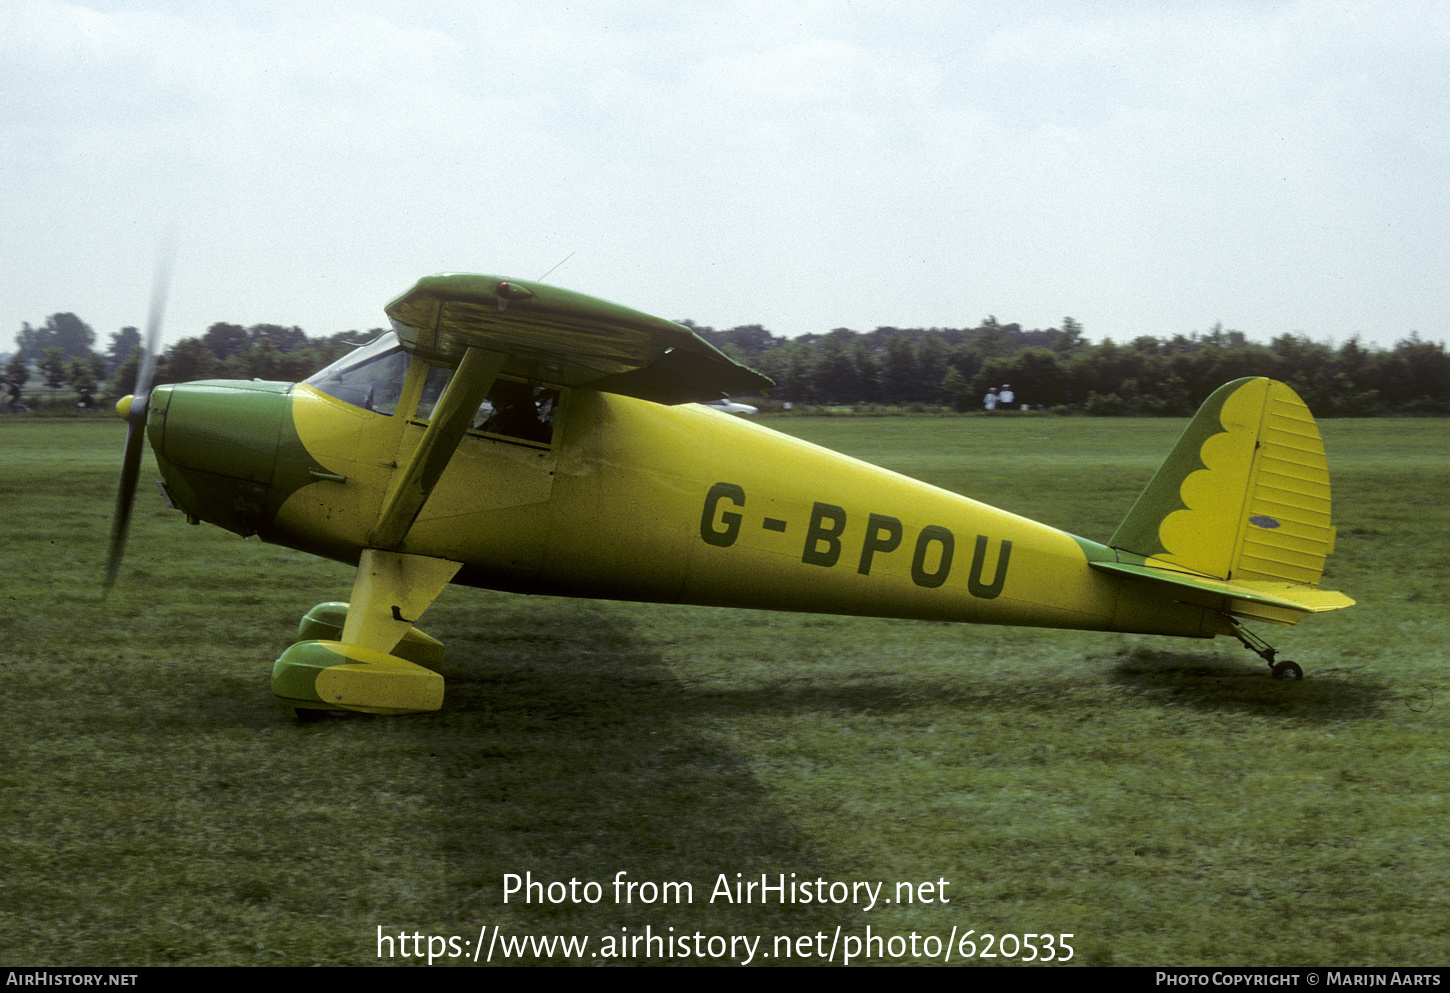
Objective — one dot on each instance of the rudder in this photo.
(1243, 496)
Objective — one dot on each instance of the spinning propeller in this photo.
(133, 408)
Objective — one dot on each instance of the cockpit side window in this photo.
(518, 410)
(512, 410)
(438, 378)
(374, 377)
(370, 377)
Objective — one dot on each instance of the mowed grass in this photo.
(1162, 801)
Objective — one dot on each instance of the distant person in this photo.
(990, 400)
(1006, 397)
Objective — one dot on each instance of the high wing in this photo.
(490, 326)
(561, 338)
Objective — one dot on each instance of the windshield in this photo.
(370, 377)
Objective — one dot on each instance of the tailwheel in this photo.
(1265, 651)
(1287, 670)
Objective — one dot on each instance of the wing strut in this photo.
(460, 401)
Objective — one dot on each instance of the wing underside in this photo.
(562, 338)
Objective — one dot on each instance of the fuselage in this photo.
(632, 500)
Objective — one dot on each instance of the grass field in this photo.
(1163, 802)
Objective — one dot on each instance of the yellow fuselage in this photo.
(682, 504)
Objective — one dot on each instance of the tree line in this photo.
(892, 367)
(1060, 368)
(61, 355)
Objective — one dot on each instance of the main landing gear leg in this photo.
(366, 669)
(1265, 651)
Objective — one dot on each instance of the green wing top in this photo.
(563, 338)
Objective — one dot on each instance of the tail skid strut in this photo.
(1265, 651)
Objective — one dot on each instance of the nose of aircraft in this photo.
(217, 446)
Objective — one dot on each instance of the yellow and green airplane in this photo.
(517, 436)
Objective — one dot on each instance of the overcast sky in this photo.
(1145, 167)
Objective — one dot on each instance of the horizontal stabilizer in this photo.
(1277, 602)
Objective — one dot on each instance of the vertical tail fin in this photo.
(1243, 497)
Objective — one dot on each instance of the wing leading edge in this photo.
(562, 338)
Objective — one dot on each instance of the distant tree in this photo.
(81, 375)
(1108, 369)
(64, 331)
(123, 343)
(262, 359)
(224, 340)
(958, 389)
(283, 339)
(1352, 360)
(187, 360)
(1208, 368)
(931, 363)
(868, 373)
(965, 359)
(991, 339)
(1421, 375)
(123, 377)
(17, 374)
(834, 372)
(790, 366)
(1307, 367)
(297, 366)
(331, 349)
(900, 375)
(54, 368)
(752, 340)
(1069, 341)
(30, 343)
(1035, 374)
(1040, 378)
(733, 351)
(70, 334)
